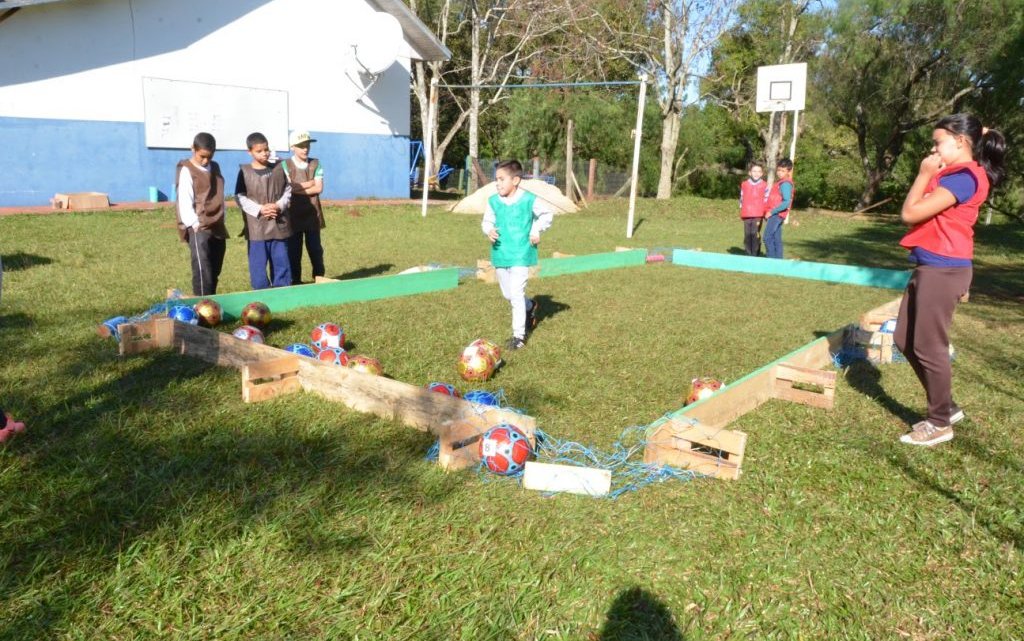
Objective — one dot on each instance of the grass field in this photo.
(147, 501)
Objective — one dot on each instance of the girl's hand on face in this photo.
(931, 165)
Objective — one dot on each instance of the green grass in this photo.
(147, 501)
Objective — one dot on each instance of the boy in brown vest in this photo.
(307, 216)
(263, 193)
(200, 213)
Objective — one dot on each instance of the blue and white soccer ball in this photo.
(301, 349)
(483, 397)
(184, 314)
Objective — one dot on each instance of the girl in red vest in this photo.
(941, 208)
(753, 193)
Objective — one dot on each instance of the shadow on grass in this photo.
(365, 272)
(638, 615)
(20, 260)
(128, 458)
(866, 379)
(548, 307)
(637, 225)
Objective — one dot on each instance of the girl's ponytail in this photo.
(992, 151)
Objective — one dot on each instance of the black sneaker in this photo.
(956, 414)
(515, 343)
(531, 315)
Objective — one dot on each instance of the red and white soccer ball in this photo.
(504, 449)
(334, 355)
(249, 333)
(256, 314)
(701, 388)
(476, 363)
(327, 335)
(490, 347)
(444, 388)
(209, 312)
(366, 365)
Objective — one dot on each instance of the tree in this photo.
(669, 40)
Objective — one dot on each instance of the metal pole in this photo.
(428, 137)
(638, 135)
(792, 145)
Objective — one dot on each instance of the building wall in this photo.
(72, 108)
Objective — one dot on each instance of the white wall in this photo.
(85, 60)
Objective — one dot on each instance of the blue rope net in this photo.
(157, 309)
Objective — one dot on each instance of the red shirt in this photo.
(951, 232)
(775, 198)
(752, 196)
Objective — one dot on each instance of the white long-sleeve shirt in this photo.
(187, 197)
(543, 213)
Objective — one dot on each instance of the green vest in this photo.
(513, 247)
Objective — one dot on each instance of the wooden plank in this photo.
(145, 335)
(264, 380)
(872, 319)
(591, 262)
(788, 375)
(281, 299)
(690, 460)
(220, 348)
(833, 273)
(546, 477)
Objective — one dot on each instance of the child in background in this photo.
(753, 193)
(200, 213)
(513, 221)
(8, 426)
(263, 193)
(306, 176)
(942, 207)
(780, 201)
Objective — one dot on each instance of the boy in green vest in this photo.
(513, 221)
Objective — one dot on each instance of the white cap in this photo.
(298, 137)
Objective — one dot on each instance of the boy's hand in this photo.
(535, 239)
(493, 235)
(269, 210)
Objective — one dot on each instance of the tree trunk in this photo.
(474, 99)
(773, 146)
(669, 142)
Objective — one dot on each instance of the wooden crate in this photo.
(694, 446)
(788, 377)
(264, 380)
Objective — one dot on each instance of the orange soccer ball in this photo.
(209, 312)
(701, 388)
(366, 365)
(476, 363)
(256, 314)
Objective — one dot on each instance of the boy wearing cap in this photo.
(307, 179)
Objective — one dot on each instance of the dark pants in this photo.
(922, 332)
(773, 237)
(273, 254)
(751, 240)
(313, 247)
(207, 260)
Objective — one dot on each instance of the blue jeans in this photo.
(773, 237)
(273, 253)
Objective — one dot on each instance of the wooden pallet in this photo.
(691, 445)
(264, 380)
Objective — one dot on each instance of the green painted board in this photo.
(847, 274)
(282, 299)
(591, 262)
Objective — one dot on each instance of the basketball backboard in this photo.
(781, 87)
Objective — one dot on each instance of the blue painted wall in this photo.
(45, 157)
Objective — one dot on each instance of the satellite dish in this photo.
(378, 43)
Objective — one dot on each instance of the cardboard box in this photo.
(82, 200)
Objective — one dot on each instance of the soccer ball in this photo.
(444, 388)
(256, 314)
(482, 397)
(490, 347)
(504, 449)
(209, 312)
(248, 333)
(327, 335)
(366, 365)
(301, 349)
(183, 314)
(335, 355)
(701, 388)
(476, 363)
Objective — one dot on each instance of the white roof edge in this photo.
(419, 35)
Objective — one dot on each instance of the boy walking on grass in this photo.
(513, 221)
(263, 193)
(306, 176)
(200, 212)
(780, 201)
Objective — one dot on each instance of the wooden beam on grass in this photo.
(282, 299)
(828, 272)
(547, 477)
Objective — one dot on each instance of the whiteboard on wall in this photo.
(176, 110)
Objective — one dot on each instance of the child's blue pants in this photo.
(773, 237)
(275, 254)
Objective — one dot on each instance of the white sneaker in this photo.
(927, 434)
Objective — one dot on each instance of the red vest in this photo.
(775, 198)
(752, 198)
(950, 233)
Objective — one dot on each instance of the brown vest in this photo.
(208, 187)
(305, 211)
(266, 188)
